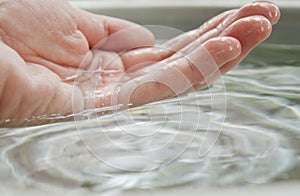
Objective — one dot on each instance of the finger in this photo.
(211, 29)
(221, 22)
(266, 9)
(113, 34)
(180, 75)
(218, 24)
(250, 32)
(184, 39)
(137, 56)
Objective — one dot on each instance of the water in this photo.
(244, 132)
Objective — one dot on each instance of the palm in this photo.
(57, 56)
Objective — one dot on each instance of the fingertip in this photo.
(267, 9)
(273, 13)
(250, 31)
(149, 36)
(223, 49)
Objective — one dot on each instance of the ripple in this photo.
(99, 154)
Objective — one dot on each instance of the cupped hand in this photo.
(58, 59)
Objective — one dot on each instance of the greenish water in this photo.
(243, 130)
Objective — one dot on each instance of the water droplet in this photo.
(117, 89)
(7, 120)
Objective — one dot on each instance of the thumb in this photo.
(112, 34)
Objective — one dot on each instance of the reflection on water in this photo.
(247, 132)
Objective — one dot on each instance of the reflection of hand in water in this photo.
(46, 41)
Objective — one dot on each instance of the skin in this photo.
(58, 59)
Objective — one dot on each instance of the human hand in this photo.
(53, 53)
